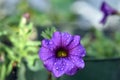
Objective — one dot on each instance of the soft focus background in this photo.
(21, 26)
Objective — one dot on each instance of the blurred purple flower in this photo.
(62, 54)
(107, 10)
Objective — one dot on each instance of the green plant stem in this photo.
(49, 76)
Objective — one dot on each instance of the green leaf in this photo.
(35, 65)
(33, 43)
(3, 72)
(21, 72)
(9, 68)
(48, 32)
(10, 53)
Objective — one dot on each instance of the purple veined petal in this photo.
(49, 44)
(49, 63)
(72, 69)
(60, 67)
(45, 53)
(107, 9)
(75, 42)
(57, 38)
(103, 21)
(66, 39)
(78, 51)
(79, 62)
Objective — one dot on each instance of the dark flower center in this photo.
(61, 53)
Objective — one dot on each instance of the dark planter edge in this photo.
(105, 59)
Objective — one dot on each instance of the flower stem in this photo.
(49, 76)
(13, 75)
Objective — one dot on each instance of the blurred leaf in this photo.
(117, 37)
(86, 40)
(10, 54)
(33, 43)
(21, 72)
(2, 72)
(48, 32)
(99, 46)
(9, 68)
(35, 65)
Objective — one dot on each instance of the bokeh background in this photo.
(22, 23)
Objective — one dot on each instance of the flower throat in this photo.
(61, 53)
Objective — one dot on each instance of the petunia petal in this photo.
(78, 51)
(48, 44)
(72, 69)
(78, 61)
(66, 39)
(75, 42)
(59, 67)
(103, 21)
(49, 63)
(45, 53)
(57, 38)
(107, 9)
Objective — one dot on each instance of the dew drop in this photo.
(62, 69)
(57, 68)
(50, 42)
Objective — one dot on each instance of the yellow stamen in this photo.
(61, 54)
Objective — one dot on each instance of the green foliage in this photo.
(3, 72)
(16, 46)
(61, 11)
(117, 41)
(99, 46)
(21, 74)
(48, 32)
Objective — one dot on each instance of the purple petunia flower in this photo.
(107, 10)
(62, 54)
